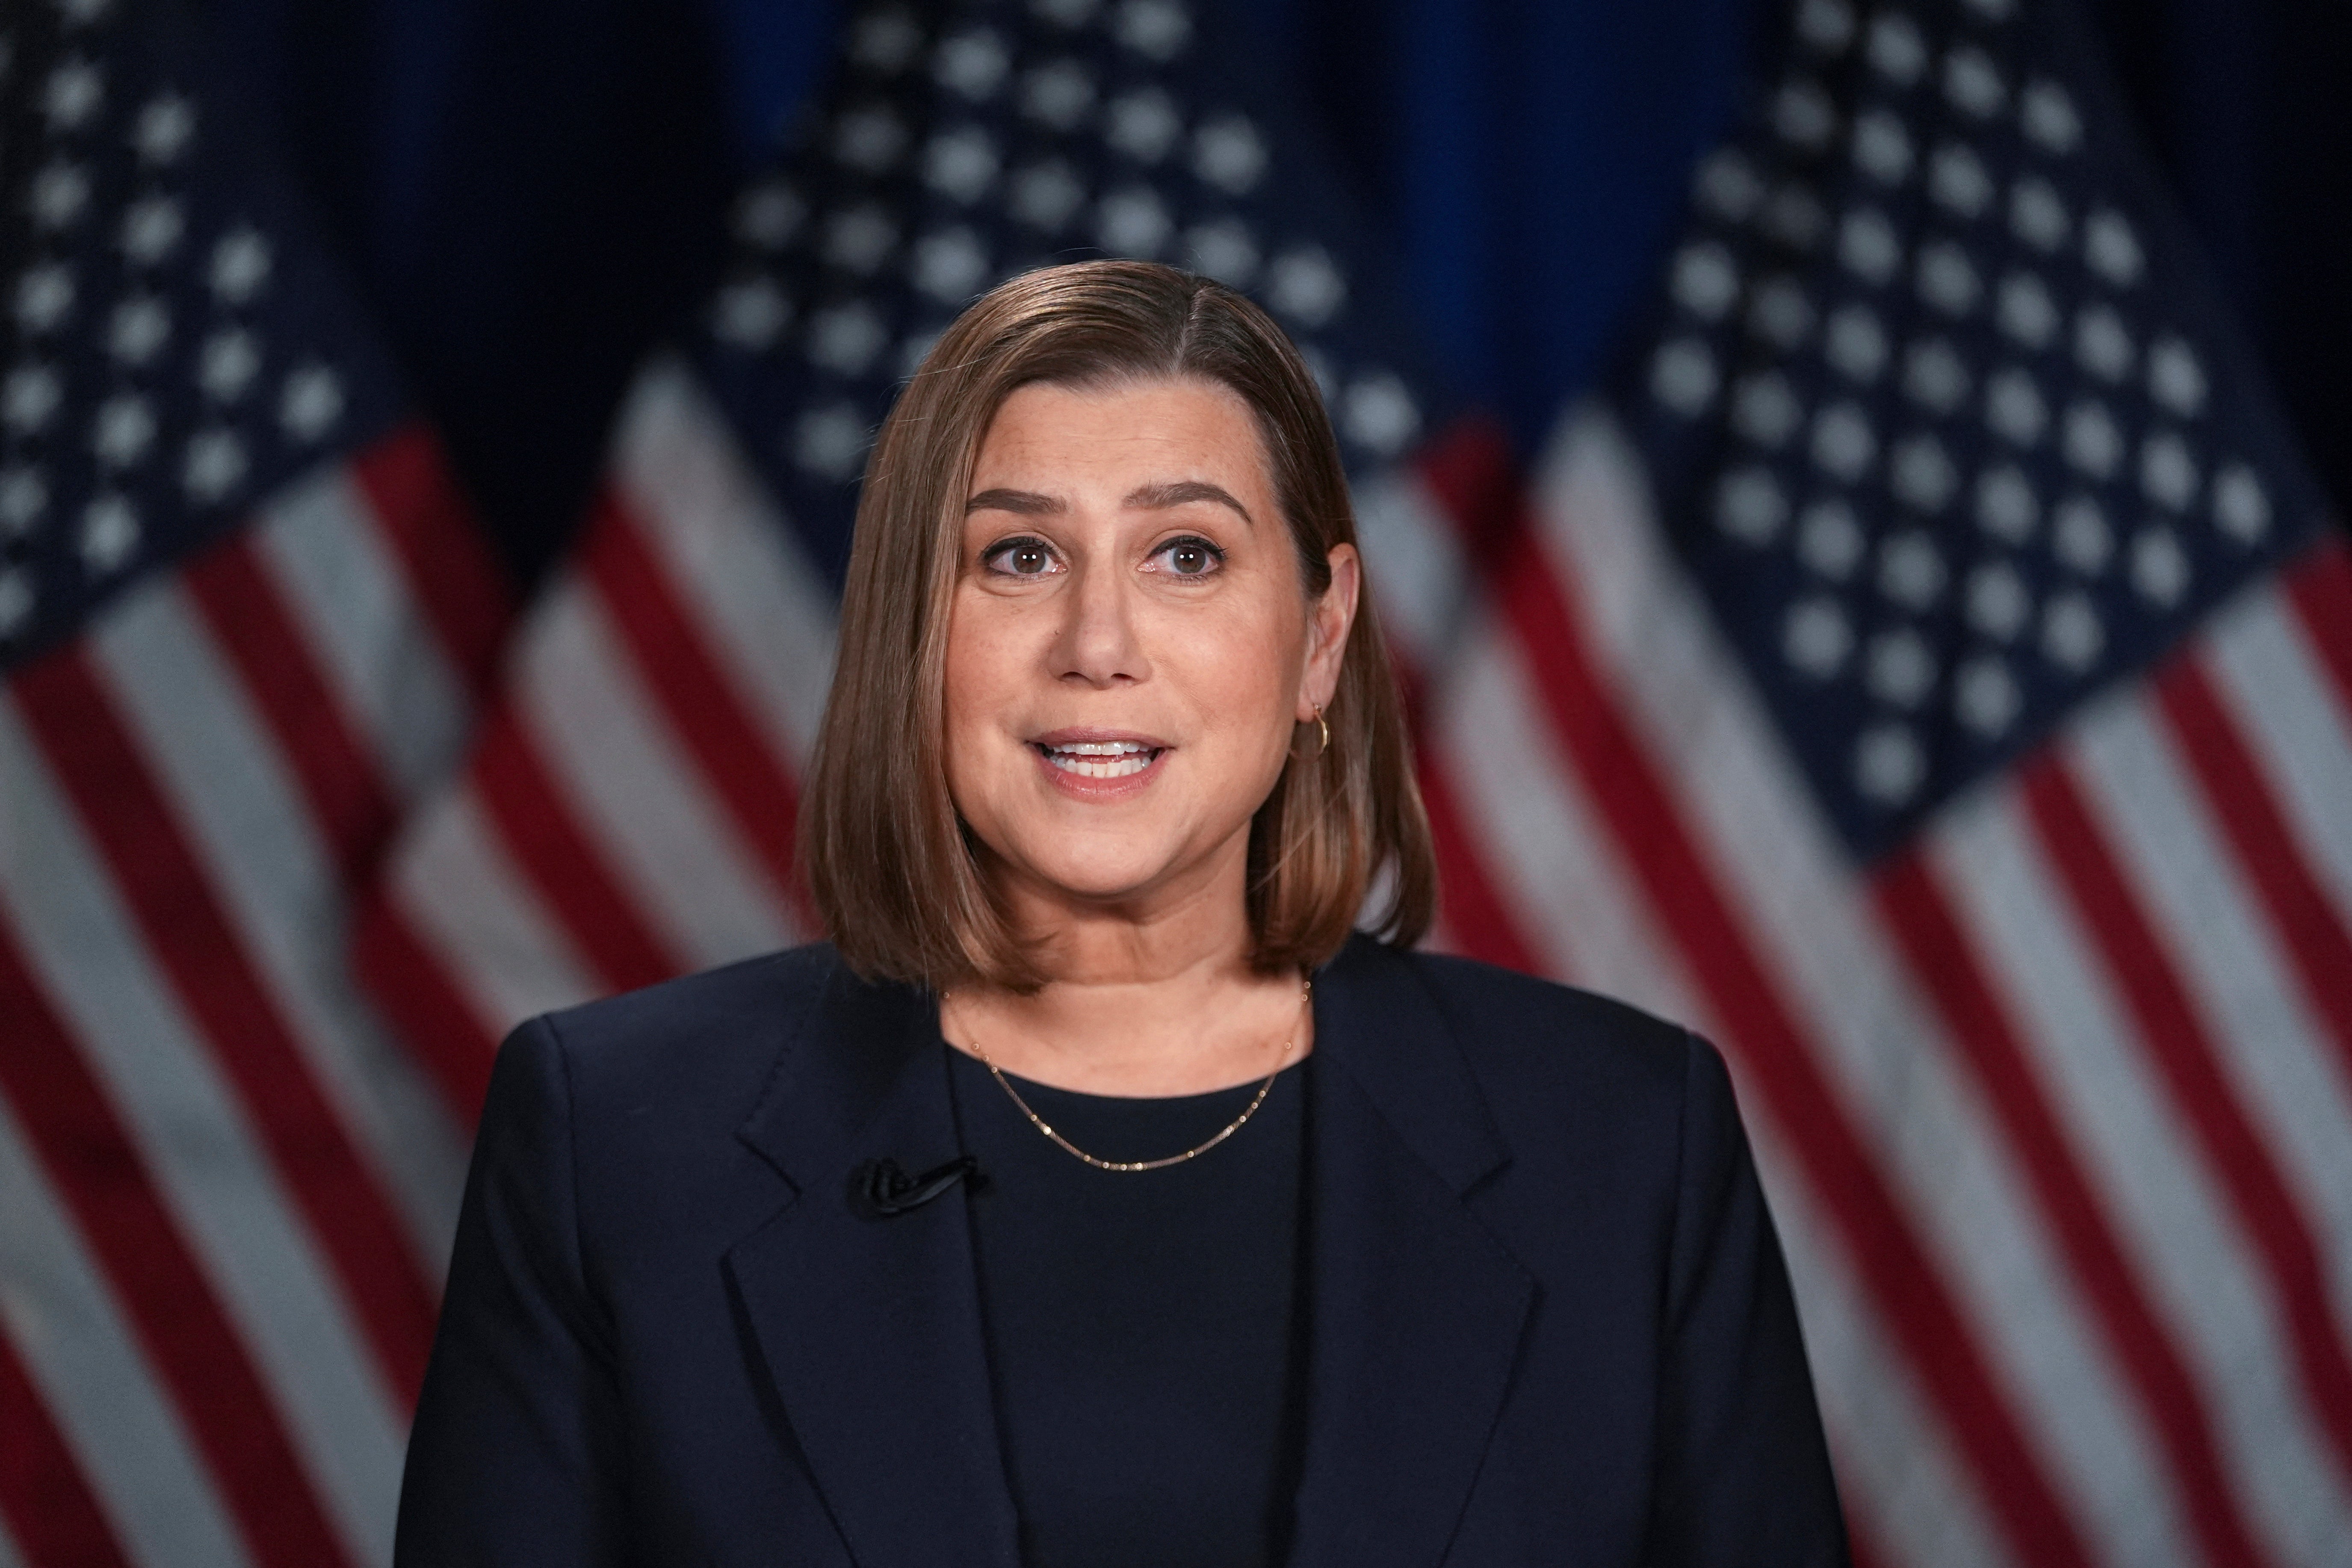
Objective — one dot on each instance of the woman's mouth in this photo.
(1100, 759)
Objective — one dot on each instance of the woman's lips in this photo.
(1093, 764)
(1102, 759)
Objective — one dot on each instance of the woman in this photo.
(1097, 1197)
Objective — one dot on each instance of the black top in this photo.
(1141, 1331)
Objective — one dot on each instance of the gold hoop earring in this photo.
(1323, 725)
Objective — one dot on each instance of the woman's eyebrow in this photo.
(1182, 492)
(1028, 503)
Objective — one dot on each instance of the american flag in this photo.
(1952, 678)
(242, 618)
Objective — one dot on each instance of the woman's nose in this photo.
(1098, 641)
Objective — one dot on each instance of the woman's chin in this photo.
(1106, 889)
(1118, 878)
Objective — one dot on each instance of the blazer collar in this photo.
(870, 1329)
(1416, 1310)
(1376, 1017)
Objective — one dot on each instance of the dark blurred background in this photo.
(503, 173)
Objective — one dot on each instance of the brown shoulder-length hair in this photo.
(889, 862)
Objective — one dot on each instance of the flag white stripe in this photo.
(210, 1168)
(647, 807)
(2276, 686)
(467, 901)
(2265, 1042)
(2204, 1282)
(95, 1382)
(324, 546)
(251, 830)
(1896, 1471)
(1939, 1143)
(1549, 858)
(768, 609)
(1413, 567)
(2215, 929)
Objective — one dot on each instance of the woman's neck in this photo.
(1138, 1002)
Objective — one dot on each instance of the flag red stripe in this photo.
(1469, 471)
(1947, 966)
(1862, 1550)
(2319, 586)
(1475, 915)
(99, 1173)
(452, 576)
(542, 830)
(416, 993)
(705, 713)
(2181, 1048)
(191, 941)
(250, 621)
(248, 615)
(2307, 925)
(50, 1509)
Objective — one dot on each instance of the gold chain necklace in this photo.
(1307, 998)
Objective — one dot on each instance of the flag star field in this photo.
(1970, 449)
(983, 140)
(163, 362)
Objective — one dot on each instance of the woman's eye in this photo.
(1020, 558)
(1190, 557)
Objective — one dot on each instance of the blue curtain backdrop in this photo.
(530, 190)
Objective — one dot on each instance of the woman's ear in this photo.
(1329, 619)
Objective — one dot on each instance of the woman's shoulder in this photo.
(720, 1000)
(1469, 986)
(1592, 1095)
(710, 1031)
(1526, 1037)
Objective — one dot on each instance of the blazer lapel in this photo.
(870, 1327)
(1416, 1311)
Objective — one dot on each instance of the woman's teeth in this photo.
(1101, 759)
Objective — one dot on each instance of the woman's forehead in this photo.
(1130, 433)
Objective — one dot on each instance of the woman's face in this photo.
(1130, 645)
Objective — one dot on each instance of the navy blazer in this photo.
(1549, 1322)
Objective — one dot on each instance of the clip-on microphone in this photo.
(880, 1189)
